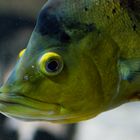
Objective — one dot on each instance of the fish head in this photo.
(51, 81)
(55, 78)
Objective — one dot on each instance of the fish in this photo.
(83, 58)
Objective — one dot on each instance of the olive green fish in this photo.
(83, 58)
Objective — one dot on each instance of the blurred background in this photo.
(17, 20)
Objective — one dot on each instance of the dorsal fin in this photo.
(130, 69)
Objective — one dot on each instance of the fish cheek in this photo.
(48, 88)
(83, 90)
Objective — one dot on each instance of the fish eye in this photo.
(21, 53)
(51, 63)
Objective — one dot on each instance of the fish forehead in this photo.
(60, 18)
(53, 31)
(67, 6)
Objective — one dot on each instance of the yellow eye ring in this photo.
(51, 63)
(21, 53)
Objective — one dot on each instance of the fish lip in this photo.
(11, 103)
(47, 117)
(28, 117)
(11, 99)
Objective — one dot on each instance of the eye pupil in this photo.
(52, 66)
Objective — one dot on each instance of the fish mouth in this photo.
(28, 109)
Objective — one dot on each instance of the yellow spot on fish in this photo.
(21, 53)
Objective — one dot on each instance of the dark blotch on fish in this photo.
(48, 23)
(51, 24)
(81, 26)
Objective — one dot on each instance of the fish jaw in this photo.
(24, 107)
(27, 109)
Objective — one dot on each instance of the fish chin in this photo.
(65, 119)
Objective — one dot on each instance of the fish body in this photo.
(83, 58)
